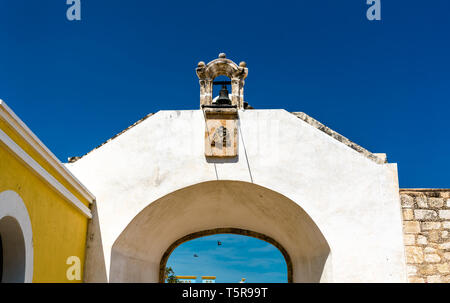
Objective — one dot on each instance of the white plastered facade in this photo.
(352, 200)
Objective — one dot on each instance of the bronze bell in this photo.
(223, 96)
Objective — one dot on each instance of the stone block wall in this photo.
(426, 229)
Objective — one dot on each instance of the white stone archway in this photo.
(138, 251)
(353, 199)
(17, 239)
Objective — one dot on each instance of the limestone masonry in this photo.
(426, 227)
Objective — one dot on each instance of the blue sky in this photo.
(384, 84)
(238, 257)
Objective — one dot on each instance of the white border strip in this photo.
(11, 118)
(41, 172)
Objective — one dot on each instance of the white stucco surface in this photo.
(352, 200)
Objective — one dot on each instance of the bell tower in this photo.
(221, 114)
(222, 67)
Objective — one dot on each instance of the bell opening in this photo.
(222, 95)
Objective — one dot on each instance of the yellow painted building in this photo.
(186, 279)
(44, 209)
(208, 279)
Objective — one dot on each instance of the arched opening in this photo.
(270, 245)
(12, 248)
(219, 84)
(16, 240)
(138, 252)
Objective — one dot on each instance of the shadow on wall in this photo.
(94, 269)
(142, 247)
(12, 250)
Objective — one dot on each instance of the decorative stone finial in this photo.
(201, 64)
(243, 64)
(222, 55)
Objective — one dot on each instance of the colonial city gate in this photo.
(331, 205)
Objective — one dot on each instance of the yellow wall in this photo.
(59, 229)
(4, 126)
